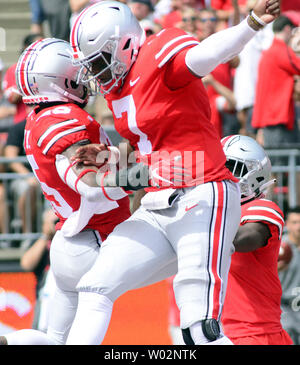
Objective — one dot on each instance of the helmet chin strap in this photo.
(266, 185)
(66, 94)
(262, 189)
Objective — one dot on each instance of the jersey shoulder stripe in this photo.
(265, 211)
(269, 212)
(170, 41)
(61, 135)
(263, 218)
(53, 128)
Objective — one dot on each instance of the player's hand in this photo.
(267, 10)
(169, 173)
(89, 154)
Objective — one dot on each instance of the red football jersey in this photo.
(252, 302)
(47, 134)
(162, 107)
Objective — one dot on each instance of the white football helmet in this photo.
(45, 73)
(248, 162)
(109, 34)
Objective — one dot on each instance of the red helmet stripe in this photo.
(225, 139)
(74, 32)
(23, 83)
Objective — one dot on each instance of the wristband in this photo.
(67, 170)
(255, 22)
(82, 174)
(111, 193)
(257, 19)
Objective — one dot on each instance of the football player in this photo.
(54, 129)
(251, 313)
(153, 87)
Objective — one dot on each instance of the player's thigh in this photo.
(203, 240)
(72, 257)
(135, 254)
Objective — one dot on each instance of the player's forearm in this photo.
(251, 236)
(219, 48)
(76, 181)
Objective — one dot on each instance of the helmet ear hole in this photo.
(74, 84)
(127, 44)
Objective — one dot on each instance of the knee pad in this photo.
(210, 328)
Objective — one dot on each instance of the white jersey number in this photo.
(127, 104)
(57, 201)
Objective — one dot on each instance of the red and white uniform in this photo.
(172, 114)
(252, 302)
(47, 134)
(163, 107)
(83, 224)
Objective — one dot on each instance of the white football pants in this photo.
(192, 239)
(70, 258)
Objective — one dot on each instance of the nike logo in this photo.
(158, 177)
(132, 83)
(189, 208)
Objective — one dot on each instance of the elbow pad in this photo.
(218, 48)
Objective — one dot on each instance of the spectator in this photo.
(274, 107)
(290, 278)
(37, 17)
(36, 259)
(1, 71)
(58, 13)
(225, 10)
(219, 84)
(174, 15)
(9, 83)
(222, 103)
(189, 20)
(76, 6)
(290, 5)
(246, 74)
(24, 190)
(142, 9)
(150, 27)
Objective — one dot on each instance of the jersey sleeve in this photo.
(58, 137)
(59, 128)
(264, 211)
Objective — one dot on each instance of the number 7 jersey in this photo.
(163, 107)
(49, 132)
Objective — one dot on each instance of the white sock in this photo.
(224, 340)
(200, 339)
(197, 334)
(28, 337)
(91, 320)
